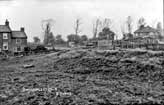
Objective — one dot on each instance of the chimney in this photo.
(22, 29)
(7, 23)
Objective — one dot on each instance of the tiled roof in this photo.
(145, 29)
(19, 34)
(4, 28)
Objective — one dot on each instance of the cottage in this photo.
(12, 41)
(143, 37)
(146, 31)
(148, 34)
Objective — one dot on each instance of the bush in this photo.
(40, 48)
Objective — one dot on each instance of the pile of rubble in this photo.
(81, 77)
(137, 76)
(120, 64)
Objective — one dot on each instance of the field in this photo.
(83, 77)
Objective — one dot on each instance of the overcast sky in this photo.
(30, 13)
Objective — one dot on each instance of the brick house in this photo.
(12, 41)
(146, 31)
(148, 34)
(143, 36)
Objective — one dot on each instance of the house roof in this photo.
(145, 30)
(4, 28)
(19, 34)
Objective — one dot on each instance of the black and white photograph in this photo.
(81, 52)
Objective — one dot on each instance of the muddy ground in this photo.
(82, 77)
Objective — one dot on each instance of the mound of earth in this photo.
(118, 64)
(117, 77)
(82, 77)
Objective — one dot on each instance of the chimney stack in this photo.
(22, 29)
(7, 23)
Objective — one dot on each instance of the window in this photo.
(18, 41)
(5, 46)
(18, 49)
(5, 36)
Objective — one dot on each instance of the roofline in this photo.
(9, 28)
(144, 32)
(19, 31)
(19, 37)
(6, 31)
(152, 30)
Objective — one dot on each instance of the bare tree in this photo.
(106, 23)
(129, 24)
(77, 26)
(159, 27)
(47, 26)
(123, 31)
(96, 26)
(141, 22)
(153, 23)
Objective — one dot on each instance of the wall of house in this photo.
(142, 34)
(5, 40)
(147, 34)
(105, 44)
(154, 34)
(22, 44)
(1, 41)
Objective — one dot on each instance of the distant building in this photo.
(71, 44)
(149, 34)
(105, 44)
(127, 36)
(92, 42)
(143, 37)
(12, 41)
(105, 39)
(146, 31)
(106, 34)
